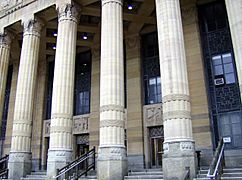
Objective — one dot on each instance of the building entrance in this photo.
(82, 144)
(156, 139)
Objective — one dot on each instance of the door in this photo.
(82, 149)
(156, 151)
(156, 139)
(231, 127)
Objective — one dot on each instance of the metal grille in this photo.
(82, 83)
(83, 139)
(224, 98)
(151, 69)
(157, 131)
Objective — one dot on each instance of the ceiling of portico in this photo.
(141, 18)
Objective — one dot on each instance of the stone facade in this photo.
(119, 127)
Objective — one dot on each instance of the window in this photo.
(223, 67)
(6, 102)
(49, 89)
(151, 69)
(82, 84)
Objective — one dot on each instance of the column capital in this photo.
(112, 1)
(6, 38)
(68, 11)
(32, 26)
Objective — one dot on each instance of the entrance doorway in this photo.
(156, 139)
(82, 149)
(82, 144)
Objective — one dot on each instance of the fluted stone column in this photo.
(178, 144)
(112, 159)
(5, 41)
(234, 10)
(20, 153)
(60, 151)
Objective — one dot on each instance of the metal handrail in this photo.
(4, 167)
(74, 167)
(214, 170)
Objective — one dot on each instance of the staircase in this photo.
(145, 174)
(41, 175)
(228, 174)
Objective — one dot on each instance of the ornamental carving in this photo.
(111, 107)
(80, 124)
(186, 146)
(10, 6)
(175, 97)
(67, 12)
(188, 14)
(153, 115)
(177, 115)
(132, 41)
(32, 27)
(112, 123)
(5, 40)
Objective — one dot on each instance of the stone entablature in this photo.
(9, 6)
(153, 115)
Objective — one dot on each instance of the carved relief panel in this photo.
(153, 115)
(80, 124)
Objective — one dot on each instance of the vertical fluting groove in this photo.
(177, 119)
(63, 87)
(111, 82)
(23, 110)
(5, 42)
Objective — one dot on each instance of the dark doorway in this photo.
(156, 139)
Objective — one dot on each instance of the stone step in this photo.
(38, 173)
(88, 178)
(146, 173)
(232, 174)
(146, 170)
(34, 176)
(144, 179)
(202, 175)
(144, 176)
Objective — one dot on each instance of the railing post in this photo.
(86, 164)
(94, 158)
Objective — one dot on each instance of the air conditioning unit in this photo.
(219, 81)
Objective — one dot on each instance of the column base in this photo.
(57, 159)
(19, 165)
(177, 156)
(112, 163)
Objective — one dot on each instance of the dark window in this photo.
(151, 69)
(220, 70)
(82, 84)
(49, 89)
(6, 102)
